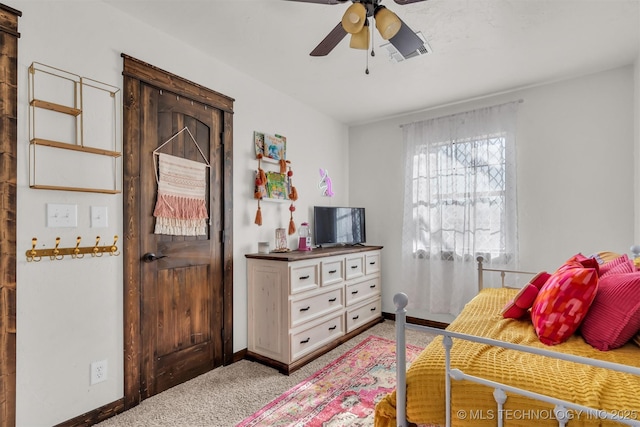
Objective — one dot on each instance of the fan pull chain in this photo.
(372, 53)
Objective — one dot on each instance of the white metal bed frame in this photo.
(562, 409)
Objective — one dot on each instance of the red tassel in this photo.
(258, 215)
(294, 194)
(292, 226)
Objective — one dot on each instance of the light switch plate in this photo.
(99, 216)
(62, 215)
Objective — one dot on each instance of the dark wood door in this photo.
(178, 310)
(182, 296)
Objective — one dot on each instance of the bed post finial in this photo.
(400, 300)
(480, 260)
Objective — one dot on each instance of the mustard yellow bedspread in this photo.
(474, 405)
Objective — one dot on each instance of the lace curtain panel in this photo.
(459, 202)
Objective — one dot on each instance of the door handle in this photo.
(150, 257)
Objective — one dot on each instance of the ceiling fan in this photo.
(356, 22)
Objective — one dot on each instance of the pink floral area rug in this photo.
(342, 393)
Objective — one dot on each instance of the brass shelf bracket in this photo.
(76, 252)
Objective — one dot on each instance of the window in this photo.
(466, 184)
(459, 202)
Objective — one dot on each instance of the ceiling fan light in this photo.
(387, 22)
(360, 40)
(354, 18)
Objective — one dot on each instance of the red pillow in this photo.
(522, 302)
(614, 316)
(623, 259)
(624, 265)
(563, 302)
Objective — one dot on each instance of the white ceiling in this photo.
(480, 47)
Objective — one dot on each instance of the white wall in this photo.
(70, 311)
(575, 145)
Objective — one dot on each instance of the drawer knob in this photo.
(306, 308)
(356, 317)
(333, 271)
(304, 277)
(333, 327)
(354, 266)
(305, 341)
(373, 309)
(372, 286)
(354, 292)
(372, 263)
(333, 299)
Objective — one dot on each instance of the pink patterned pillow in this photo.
(563, 302)
(614, 316)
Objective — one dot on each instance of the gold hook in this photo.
(33, 255)
(76, 251)
(114, 249)
(95, 248)
(56, 251)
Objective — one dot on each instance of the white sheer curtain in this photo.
(459, 202)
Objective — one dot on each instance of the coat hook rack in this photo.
(76, 252)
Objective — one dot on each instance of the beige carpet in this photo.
(225, 396)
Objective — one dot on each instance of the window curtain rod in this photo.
(519, 101)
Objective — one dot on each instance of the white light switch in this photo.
(62, 215)
(99, 216)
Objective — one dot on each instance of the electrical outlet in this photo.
(62, 215)
(98, 372)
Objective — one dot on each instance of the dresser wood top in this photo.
(314, 253)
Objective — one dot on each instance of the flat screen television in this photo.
(334, 226)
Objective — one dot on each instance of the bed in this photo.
(487, 370)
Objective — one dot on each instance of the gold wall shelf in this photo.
(77, 252)
(58, 91)
(67, 146)
(55, 107)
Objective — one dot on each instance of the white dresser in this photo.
(303, 304)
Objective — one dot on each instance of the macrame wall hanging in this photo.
(181, 206)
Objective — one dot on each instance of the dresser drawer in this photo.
(372, 263)
(362, 290)
(308, 308)
(364, 313)
(354, 267)
(303, 276)
(332, 271)
(314, 337)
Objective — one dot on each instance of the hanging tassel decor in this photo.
(293, 195)
(260, 189)
(258, 219)
(292, 225)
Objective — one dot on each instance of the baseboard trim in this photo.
(97, 415)
(417, 321)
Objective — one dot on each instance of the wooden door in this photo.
(182, 298)
(178, 299)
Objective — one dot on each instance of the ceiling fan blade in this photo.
(322, 1)
(406, 41)
(403, 2)
(330, 41)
